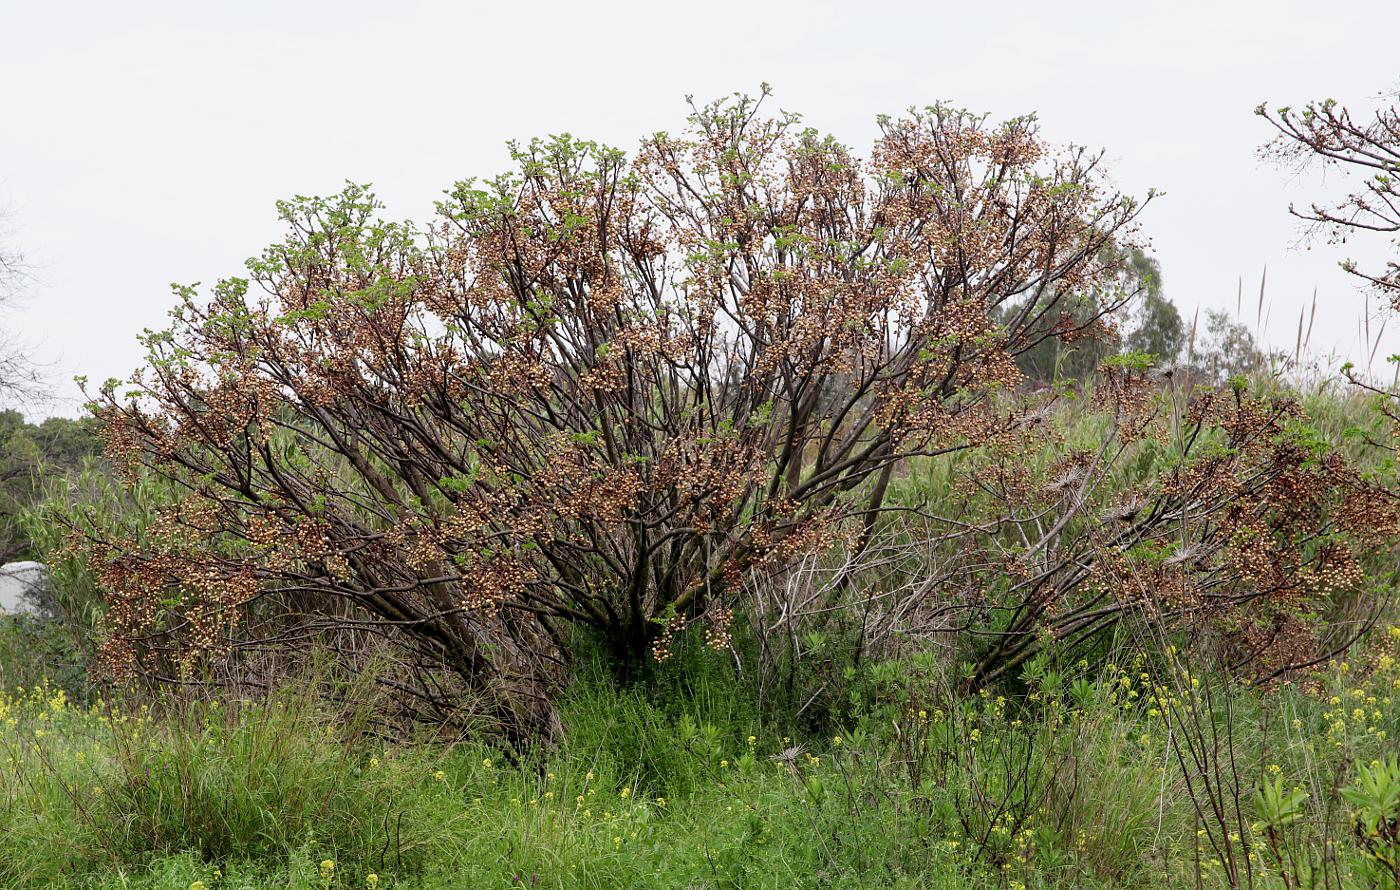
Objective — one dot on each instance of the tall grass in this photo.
(680, 782)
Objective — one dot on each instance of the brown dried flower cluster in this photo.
(1253, 527)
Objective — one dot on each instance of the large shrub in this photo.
(1251, 528)
(598, 391)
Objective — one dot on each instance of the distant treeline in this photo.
(29, 453)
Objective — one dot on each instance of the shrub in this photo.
(1228, 514)
(35, 650)
(597, 393)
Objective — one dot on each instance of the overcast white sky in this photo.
(144, 143)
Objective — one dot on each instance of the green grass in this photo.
(636, 797)
(677, 783)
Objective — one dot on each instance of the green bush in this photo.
(35, 650)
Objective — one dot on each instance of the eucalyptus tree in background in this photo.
(1227, 348)
(30, 455)
(1155, 325)
(1128, 311)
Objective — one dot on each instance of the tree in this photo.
(1228, 349)
(1327, 133)
(598, 393)
(20, 454)
(29, 454)
(1087, 329)
(19, 379)
(1158, 329)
